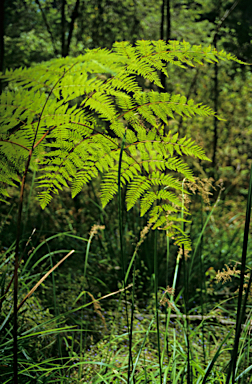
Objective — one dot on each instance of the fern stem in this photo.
(15, 288)
(120, 212)
(84, 299)
(121, 246)
(156, 303)
(131, 323)
(26, 210)
(203, 292)
(167, 315)
(186, 282)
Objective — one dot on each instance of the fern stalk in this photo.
(130, 362)
(186, 282)
(166, 341)
(92, 233)
(15, 277)
(157, 303)
(29, 200)
(203, 292)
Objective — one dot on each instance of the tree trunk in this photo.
(1, 39)
(216, 96)
(47, 27)
(165, 15)
(216, 90)
(71, 26)
(63, 23)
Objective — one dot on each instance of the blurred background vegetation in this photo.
(38, 30)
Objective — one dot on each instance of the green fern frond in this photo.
(182, 240)
(136, 189)
(8, 178)
(150, 197)
(103, 105)
(71, 114)
(109, 187)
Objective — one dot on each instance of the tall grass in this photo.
(170, 341)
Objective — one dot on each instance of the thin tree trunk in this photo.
(168, 20)
(71, 26)
(47, 27)
(165, 11)
(63, 22)
(216, 97)
(135, 26)
(162, 20)
(216, 89)
(98, 22)
(1, 39)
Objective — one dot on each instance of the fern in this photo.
(70, 115)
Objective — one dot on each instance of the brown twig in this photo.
(43, 278)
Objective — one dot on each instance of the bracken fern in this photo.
(71, 115)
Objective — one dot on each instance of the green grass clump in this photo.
(84, 335)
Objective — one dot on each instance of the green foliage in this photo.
(67, 118)
(34, 29)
